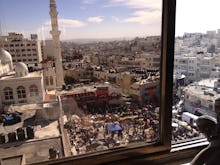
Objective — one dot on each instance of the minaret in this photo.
(56, 44)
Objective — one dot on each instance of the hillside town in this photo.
(72, 98)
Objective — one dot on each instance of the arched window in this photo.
(51, 80)
(8, 92)
(47, 81)
(33, 90)
(21, 92)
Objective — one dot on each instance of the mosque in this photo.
(17, 85)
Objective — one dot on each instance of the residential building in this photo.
(200, 97)
(23, 49)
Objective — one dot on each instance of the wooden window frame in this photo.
(166, 87)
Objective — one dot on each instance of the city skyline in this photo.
(97, 19)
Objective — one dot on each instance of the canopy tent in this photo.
(8, 118)
(175, 125)
(114, 127)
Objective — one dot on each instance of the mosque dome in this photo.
(5, 56)
(21, 69)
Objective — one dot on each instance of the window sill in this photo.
(179, 154)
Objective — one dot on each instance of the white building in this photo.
(146, 90)
(23, 49)
(150, 61)
(17, 85)
(201, 96)
(197, 67)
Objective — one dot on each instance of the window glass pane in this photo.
(196, 67)
(86, 80)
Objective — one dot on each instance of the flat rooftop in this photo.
(203, 89)
(11, 75)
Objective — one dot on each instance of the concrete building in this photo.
(200, 97)
(23, 49)
(197, 67)
(150, 61)
(17, 85)
(84, 97)
(211, 33)
(146, 90)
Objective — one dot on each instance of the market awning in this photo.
(114, 127)
(8, 118)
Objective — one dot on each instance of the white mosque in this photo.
(17, 85)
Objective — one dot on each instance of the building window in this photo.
(51, 80)
(33, 90)
(21, 92)
(47, 81)
(8, 92)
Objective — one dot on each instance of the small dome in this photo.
(21, 69)
(5, 56)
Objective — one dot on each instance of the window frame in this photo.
(166, 87)
(8, 94)
(21, 92)
(33, 90)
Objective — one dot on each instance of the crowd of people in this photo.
(100, 131)
(181, 131)
(89, 132)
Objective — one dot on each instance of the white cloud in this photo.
(71, 23)
(140, 4)
(88, 2)
(95, 19)
(147, 11)
(83, 8)
(44, 31)
(145, 17)
(116, 19)
(68, 23)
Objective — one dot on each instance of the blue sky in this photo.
(106, 18)
(83, 18)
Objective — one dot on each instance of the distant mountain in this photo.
(93, 40)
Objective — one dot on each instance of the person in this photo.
(211, 154)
